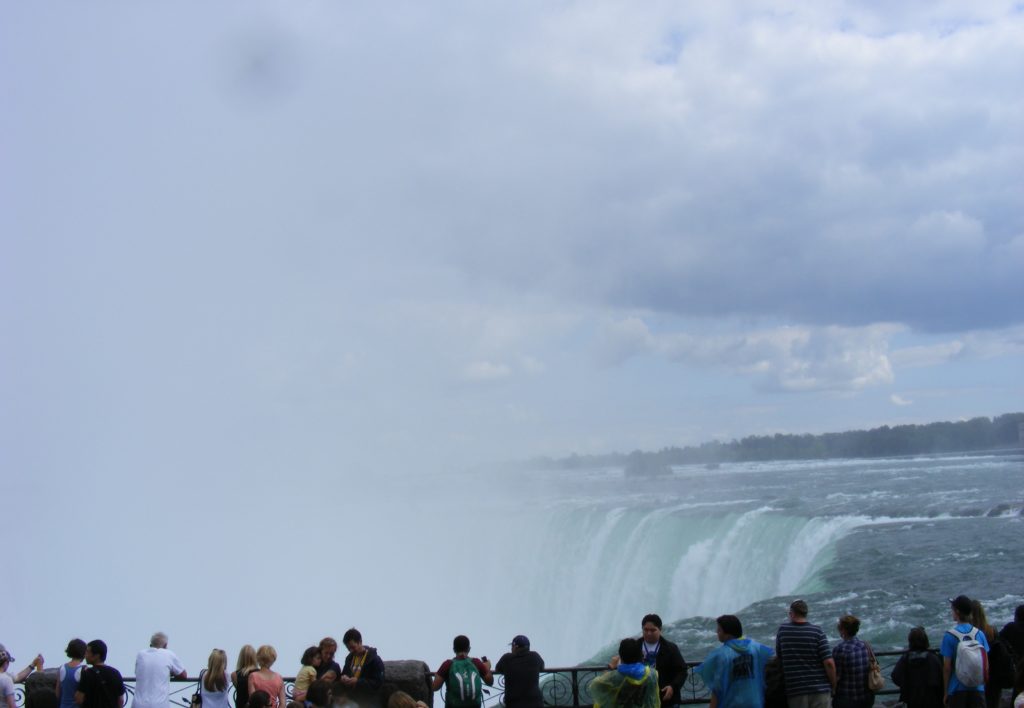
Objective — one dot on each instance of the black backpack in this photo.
(1000, 664)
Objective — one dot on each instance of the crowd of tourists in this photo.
(975, 667)
(86, 681)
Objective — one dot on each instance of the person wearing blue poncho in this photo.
(630, 683)
(734, 672)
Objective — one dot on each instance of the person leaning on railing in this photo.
(521, 668)
(246, 665)
(267, 680)
(918, 673)
(70, 674)
(7, 680)
(852, 657)
(466, 672)
(214, 682)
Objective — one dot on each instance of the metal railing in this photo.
(561, 687)
(570, 687)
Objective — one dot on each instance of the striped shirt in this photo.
(802, 647)
(852, 660)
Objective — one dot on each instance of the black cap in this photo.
(962, 604)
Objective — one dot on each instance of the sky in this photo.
(264, 253)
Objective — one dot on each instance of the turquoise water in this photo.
(888, 540)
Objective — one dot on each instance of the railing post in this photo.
(575, 688)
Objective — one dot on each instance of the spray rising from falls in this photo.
(597, 571)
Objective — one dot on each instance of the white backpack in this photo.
(970, 659)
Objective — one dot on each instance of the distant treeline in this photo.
(964, 436)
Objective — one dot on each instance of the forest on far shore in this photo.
(976, 434)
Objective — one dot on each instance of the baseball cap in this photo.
(520, 641)
(962, 604)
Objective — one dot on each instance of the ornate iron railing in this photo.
(180, 695)
(570, 687)
(561, 687)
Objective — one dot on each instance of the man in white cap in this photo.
(154, 668)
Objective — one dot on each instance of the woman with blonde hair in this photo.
(401, 699)
(240, 676)
(267, 680)
(214, 681)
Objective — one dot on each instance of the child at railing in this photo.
(307, 674)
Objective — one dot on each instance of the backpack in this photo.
(464, 687)
(969, 661)
(1001, 671)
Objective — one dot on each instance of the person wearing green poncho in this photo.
(734, 672)
(630, 683)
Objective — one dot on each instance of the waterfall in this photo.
(595, 571)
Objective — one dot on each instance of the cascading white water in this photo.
(596, 571)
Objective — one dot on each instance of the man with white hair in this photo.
(154, 668)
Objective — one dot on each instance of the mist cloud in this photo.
(349, 219)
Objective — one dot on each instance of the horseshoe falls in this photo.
(574, 558)
(679, 564)
(886, 539)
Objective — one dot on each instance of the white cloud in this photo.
(622, 339)
(785, 358)
(927, 354)
(978, 345)
(532, 365)
(486, 371)
(900, 400)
